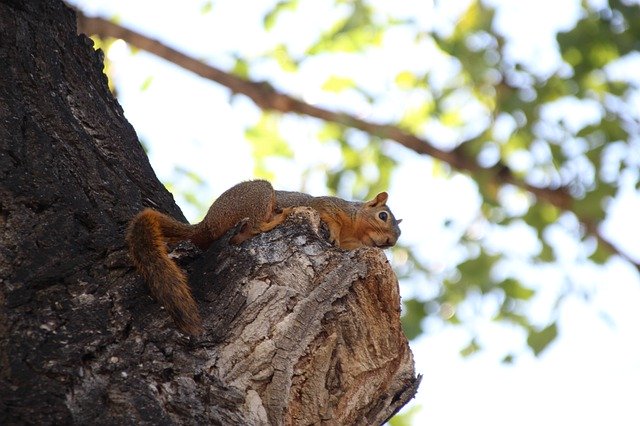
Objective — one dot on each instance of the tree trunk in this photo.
(297, 331)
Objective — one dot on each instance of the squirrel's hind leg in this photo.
(249, 229)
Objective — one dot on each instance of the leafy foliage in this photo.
(538, 340)
(405, 418)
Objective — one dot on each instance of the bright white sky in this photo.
(589, 376)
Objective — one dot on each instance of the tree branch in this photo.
(267, 98)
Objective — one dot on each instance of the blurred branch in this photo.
(267, 98)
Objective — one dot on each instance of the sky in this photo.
(588, 376)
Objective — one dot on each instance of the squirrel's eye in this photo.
(383, 216)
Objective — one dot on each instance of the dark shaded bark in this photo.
(297, 331)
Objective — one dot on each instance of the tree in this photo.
(510, 126)
(297, 332)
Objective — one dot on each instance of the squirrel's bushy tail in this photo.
(147, 236)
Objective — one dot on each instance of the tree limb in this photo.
(268, 98)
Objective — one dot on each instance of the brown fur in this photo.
(146, 237)
(351, 225)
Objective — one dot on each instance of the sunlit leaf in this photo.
(330, 132)
(355, 33)
(284, 59)
(267, 142)
(415, 117)
(452, 118)
(338, 84)
(476, 272)
(412, 315)
(515, 290)
(406, 79)
(508, 359)
(272, 16)
(146, 83)
(206, 7)
(470, 349)
(591, 206)
(540, 215)
(539, 340)
(601, 254)
(241, 68)
(476, 17)
(405, 417)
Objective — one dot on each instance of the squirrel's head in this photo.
(382, 227)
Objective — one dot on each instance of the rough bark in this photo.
(298, 332)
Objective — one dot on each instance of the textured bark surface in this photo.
(298, 332)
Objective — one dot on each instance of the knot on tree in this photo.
(297, 332)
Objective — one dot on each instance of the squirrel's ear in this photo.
(380, 200)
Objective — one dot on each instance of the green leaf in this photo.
(406, 80)
(475, 18)
(540, 216)
(272, 16)
(470, 349)
(356, 40)
(194, 178)
(515, 290)
(477, 270)
(591, 206)
(452, 118)
(186, 185)
(330, 132)
(405, 417)
(601, 254)
(508, 359)
(146, 83)
(539, 340)
(241, 68)
(267, 142)
(412, 315)
(284, 59)
(416, 117)
(337, 84)
(353, 34)
(546, 253)
(207, 7)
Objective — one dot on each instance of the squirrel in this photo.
(253, 207)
